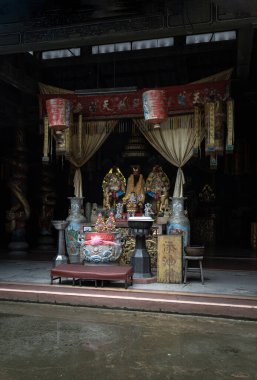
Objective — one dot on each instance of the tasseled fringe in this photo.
(80, 135)
(124, 125)
(209, 110)
(174, 122)
(67, 137)
(215, 128)
(46, 140)
(230, 126)
(92, 127)
(180, 121)
(198, 130)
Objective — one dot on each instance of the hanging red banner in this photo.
(180, 99)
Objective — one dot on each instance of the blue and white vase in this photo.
(72, 231)
(178, 221)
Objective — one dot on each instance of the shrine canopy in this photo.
(180, 99)
(193, 110)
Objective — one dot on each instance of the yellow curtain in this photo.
(174, 141)
(83, 144)
(45, 89)
(222, 75)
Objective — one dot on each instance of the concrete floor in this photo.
(61, 342)
(225, 293)
(217, 281)
(47, 340)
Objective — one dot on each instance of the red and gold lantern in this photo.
(155, 107)
(59, 113)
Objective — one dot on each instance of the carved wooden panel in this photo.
(169, 259)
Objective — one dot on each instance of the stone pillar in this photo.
(47, 201)
(19, 211)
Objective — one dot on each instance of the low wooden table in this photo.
(93, 272)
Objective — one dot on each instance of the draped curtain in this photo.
(85, 140)
(174, 140)
(47, 89)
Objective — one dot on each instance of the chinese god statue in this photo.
(157, 189)
(135, 193)
(114, 185)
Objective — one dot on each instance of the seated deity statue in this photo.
(113, 186)
(131, 204)
(135, 190)
(157, 189)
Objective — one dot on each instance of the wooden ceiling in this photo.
(38, 25)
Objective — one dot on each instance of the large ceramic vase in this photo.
(179, 222)
(72, 231)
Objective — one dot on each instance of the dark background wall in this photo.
(39, 26)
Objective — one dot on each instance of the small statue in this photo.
(114, 184)
(164, 206)
(207, 194)
(148, 210)
(100, 224)
(132, 204)
(110, 224)
(135, 189)
(119, 211)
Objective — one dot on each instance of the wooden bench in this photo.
(93, 272)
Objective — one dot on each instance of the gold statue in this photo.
(114, 184)
(157, 188)
(164, 205)
(135, 192)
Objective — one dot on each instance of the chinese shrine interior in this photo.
(98, 47)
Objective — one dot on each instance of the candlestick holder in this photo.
(140, 260)
(60, 226)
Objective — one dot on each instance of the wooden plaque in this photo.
(169, 260)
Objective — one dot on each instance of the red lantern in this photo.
(59, 113)
(155, 107)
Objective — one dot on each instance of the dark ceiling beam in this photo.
(244, 53)
(17, 78)
(107, 31)
(145, 54)
(145, 68)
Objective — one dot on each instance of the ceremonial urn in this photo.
(179, 222)
(72, 231)
(101, 248)
(140, 260)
